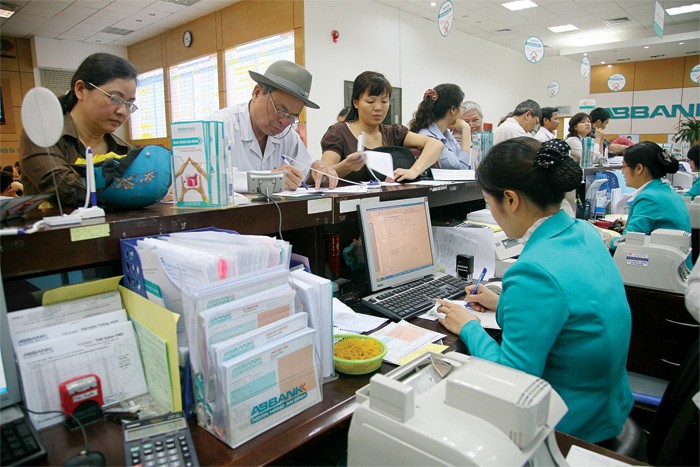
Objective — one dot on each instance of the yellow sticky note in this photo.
(89, 232)
(435, 348)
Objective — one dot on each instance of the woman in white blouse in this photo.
(580, 127)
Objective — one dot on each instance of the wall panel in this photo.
(249, 20)
(659, 74)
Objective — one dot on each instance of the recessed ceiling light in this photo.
(433, 3)
(563, 28)
(646, 46)
(683, 9)
(602, 63)
(681, 43)
(5, 12)
(519, 5)
(585, 54)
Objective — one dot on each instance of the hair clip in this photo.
(432, 94)
(552, 153)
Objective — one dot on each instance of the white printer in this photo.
(455, 410)
(655, 261)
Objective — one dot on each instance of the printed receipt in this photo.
(403, 338)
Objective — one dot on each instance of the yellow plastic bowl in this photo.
(358, 367)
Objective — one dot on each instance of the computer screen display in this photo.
(398, 241)
(10, 392)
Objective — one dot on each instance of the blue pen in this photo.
(478, 281)
(90, 165)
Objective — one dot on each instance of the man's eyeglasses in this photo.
(291, 118)
(116, 100)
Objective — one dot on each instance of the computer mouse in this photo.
(87, 459)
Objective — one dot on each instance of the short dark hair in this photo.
(343, 112)
(98, 69)
(528, 106)
(372, 82)
(547, 113)
(429, 111)
(653, 157)
(5, 180)
(510, 165)
(694, 155)
(599, 114)
(7, 168)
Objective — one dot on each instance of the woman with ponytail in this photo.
(101, 99)
(563, 309)
(655, 205)
(439, 112)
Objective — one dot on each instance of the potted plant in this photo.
(688, 130)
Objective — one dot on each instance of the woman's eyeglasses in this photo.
(291, 118)
(116, 100)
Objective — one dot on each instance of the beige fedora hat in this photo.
(288, 77)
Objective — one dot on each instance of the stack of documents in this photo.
(180, 260)
(315, 297)
(254, 359)
(59, 342)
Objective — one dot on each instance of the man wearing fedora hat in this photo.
(260, 130)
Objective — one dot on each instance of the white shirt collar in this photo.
(532, 229)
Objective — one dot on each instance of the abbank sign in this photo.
(649, 112)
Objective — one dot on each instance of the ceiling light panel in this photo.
(683, 9)
(519, 5)
(563, 28)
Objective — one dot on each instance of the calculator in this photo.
(163, 440)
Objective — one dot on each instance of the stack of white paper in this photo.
(190, 259)
(87, 336)
(315, 296)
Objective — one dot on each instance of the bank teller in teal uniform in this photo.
(654, 205)
(563, 309)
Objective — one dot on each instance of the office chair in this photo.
(673, 436)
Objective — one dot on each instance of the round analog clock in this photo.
(187, 38)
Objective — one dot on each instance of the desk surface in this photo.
(46, 251)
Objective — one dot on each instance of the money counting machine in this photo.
(455, 410)
(655, 261)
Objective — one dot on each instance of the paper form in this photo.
(223, 352)
(60, 313)
(111, 353)
(403, 338)
(453, 174)
(435, 348)
(478, 242)
(70, 328)
(487, 318)
(345, 319)
(269, 385)
(164, 324)
(380, 162)
(154, 356)
(580, 457)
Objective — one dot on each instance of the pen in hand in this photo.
(476, 286)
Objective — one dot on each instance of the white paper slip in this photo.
(380, 162)
(345, 319)
(59, 313)
(403, 338)
(487, 318)
(453, 174)
(580, 457)
(88, 324)
(111, 353)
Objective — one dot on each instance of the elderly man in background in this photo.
(525, 118)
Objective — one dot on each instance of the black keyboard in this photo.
(414, 298)
(20, 445)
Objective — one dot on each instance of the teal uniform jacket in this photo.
(657, 206)
(565, 318)
(694, 190)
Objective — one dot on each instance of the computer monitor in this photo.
(398, 241)
(10, 392)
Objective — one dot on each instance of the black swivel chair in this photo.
(673, 436)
